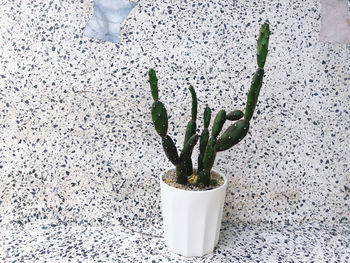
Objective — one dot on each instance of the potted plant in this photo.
(193, 199)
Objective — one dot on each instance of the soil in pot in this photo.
(170, 179)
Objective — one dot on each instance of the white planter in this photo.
(192, 219)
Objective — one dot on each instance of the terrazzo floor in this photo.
(43, 242)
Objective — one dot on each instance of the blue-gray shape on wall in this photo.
(107, 18)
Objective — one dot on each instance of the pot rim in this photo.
(194, 191)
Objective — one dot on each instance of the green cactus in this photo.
(204, 138)
(208, 162)
(191, 129)
(194, 103)
(181, 173)
(219, 121)
(234, 115)
(262, 45)
(153, 82)
(159, 114)
(208, 147)
(170, 150)
(203, 141)
(160, 118)
(237, 131)
(233, 135)
(203, 178)
(207, 116)
(253, 94)
(188, 148)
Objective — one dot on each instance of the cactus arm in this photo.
(262, 45)
(191, 126)
(210, 154)
(233, 135)
(181, 176)
(203, 141)
(188, 148)
(194, 103)
(253, 94)
(160, 118)
(203, 178)
(190, 130)
(184, 169)
(219, 121)
(153, 81)
(207, 116)
(234, 115)
(170, 150)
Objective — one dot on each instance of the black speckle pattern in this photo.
(77, 144)
(308, 242)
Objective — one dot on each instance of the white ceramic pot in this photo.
(192, 219)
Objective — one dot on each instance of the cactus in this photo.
(237, 131)
(253, 94)
(233, 135)
(262, 45)
(160, 118)
(234, 115)
(170, 150)
(208, 147)
(191, 129)
(183, 163)
(204, 138)
(153, 82)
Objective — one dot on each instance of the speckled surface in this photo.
(107, 18)
(309, 242)
(77, 143)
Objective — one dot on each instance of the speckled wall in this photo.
(77, 142)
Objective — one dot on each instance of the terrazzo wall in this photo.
(76, 137)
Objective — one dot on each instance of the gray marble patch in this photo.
(106, 21)
(335, 21)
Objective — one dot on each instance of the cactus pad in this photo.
(234, 115)
(153, 82)
(218, 123)
(207, 117)
(188, 147)
(194, 103)
(203, 141)
(209, 156)
(190, 130)
(253, 94)
(233, 135)
(262, 45)
(170, 150)
(160, 118)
